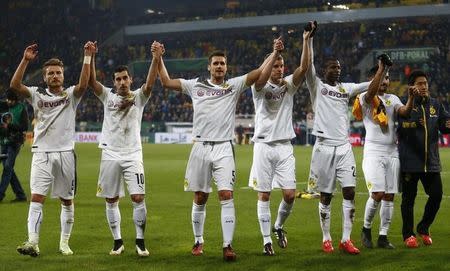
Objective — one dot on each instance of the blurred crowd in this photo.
(250, 8)
(61, 33)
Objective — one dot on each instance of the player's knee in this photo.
(112, 200)
(289, 196)
(137, 198)
(325, 198)
(200, 198)
(66, 202)
(264, 196)
(378, 196)
(388, 197)
(348, 193)
(37, 198)
(225, 195)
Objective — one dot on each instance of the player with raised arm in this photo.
(381, 165)
(212, 156)
(332, 157)
(122, 150)
(273, 154)
(53, 163)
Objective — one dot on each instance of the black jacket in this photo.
(418, 144)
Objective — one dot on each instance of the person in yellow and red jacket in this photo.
(418, 137)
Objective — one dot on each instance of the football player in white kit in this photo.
(381, 164)
(212, 156)
(122, 150)
(53, 163)
(332, 157)
(273, 155)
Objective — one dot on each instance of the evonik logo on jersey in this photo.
(332, 93)
(51, 104)
(213, 92)
(275, 96)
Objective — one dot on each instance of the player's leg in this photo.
(40, 182)
(387, 203)
(198, 180)
(224, 174)
(285, 179)
(409, 192)
(432, 184)
(374, 174)
(111, 188)
(64, 188)
(346, 174)
(134, 177)
(323, 169)
(262, 176)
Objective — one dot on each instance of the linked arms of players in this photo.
(89, 51)
(256, 76)
(268, 64)
(166, 81)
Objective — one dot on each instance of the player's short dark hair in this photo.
(120, 68)
(330, 59)
(413, 76)
(11, 95)
(216, 53)
(52, 62)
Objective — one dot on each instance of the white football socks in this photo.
(386, 212)
(139, 218)
(113, 217)
(228, 219)
(369, 213)
(198, 221)
(284, 210)
(264, 218)
(348, 215)
(325, 222)
(67, 220)
(35, 217)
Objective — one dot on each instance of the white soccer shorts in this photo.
(381, 173)
(207, 161)
(331, 164)
(113, 174)
(273, 166)
(55, 169)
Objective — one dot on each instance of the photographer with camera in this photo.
(12, 127)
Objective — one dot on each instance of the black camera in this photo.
(308, 27)
(5, 117)
(385, 59)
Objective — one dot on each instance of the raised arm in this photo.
(166, 81)
(375, 84)
(255, 74)
(268, 64)
(16, 84)
(81, 87)
(300, 72)
(152, 73)
(93, 83)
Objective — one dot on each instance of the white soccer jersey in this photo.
(380, 141)
(330, 104)
(214, 107)
(273, 111)
(121, 130)
(55, 119)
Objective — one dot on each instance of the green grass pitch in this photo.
(169, 232)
